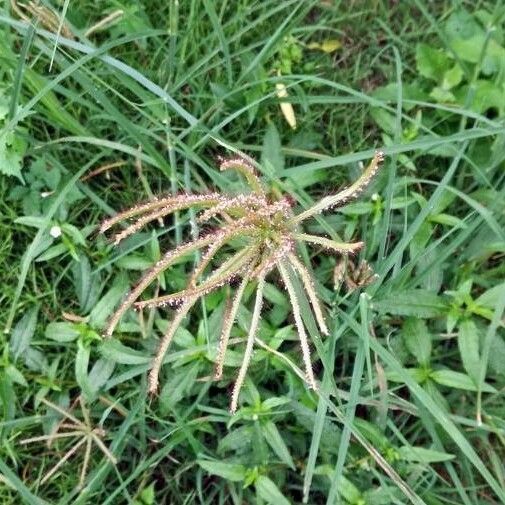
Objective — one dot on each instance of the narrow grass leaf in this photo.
(211, 12)
(81, 370)
(357, 373)
(417, 339)
(320, 417)
(32, 249)
(105, 306)
(423, 455)
(458, 380)
(62, 332)
(18, 77)
(442, 418)
(114, 350)
(15, 482)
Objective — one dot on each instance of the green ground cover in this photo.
(105, 103)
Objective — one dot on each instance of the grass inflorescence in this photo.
(367, 378)
(268, 232)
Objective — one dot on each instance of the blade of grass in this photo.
(485, 213)
(19, 485)
(434, 409)
(320, 417)
(18, 77)
(58, 33)
(211, 12)
(486, 349)
(430, 427)
(386, 265)
(357, 374)
(274, 38)
(392, 166)
(309, 321)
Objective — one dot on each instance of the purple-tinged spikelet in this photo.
(262, 231)
(171, 203)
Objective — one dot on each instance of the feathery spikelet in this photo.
(245, 166)
(249, 345)
(168, 259)
(165, 343)
(275, 253)
(140, 223)
(205, 261)
(339, 247)
(308, 284)
(262, 232)
(228, 321)
(171, 203)
(149, 277)
(304, 341)
(229, 270)
(348, 194)
(239, 203)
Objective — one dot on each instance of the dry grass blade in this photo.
(63, 460)
(83, 431)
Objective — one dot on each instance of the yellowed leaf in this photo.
(327, 46)
(331, 45)
(286, 108)
(69, 316)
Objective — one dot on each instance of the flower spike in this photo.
(304, 341)
(165, 343)
(222, 275)
(249, 346)
(350, 193)
(178, 202)
(255, 234)
(246, 167)
(227, 326)
(308, 284)
(149, 277)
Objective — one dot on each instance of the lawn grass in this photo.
(410, 407)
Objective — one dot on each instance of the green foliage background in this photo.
(411, 406)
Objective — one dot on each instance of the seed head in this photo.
(263, 233)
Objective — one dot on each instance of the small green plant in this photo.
(263, 231)
(12, 144)
(466, 72)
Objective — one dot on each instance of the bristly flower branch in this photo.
(263, 232)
